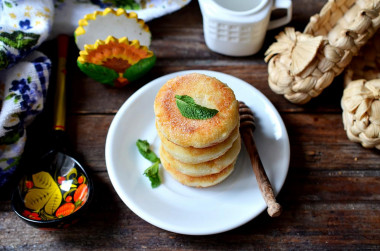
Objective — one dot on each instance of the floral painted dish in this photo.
(118, 53)
(116, 62)
(53, 198)
(99, 25)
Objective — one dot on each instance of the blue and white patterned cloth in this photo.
(23, 89)
(25, 72)
(24, 75)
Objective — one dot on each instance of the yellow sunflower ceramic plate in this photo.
(117, 23)
(116, 62)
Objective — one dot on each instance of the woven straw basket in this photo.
(301, 65)
(361, 96)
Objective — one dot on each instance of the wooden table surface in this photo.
(331, 196)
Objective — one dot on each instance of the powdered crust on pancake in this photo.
(192, 155)
(206, 91)
(202, 181)
(205, 168)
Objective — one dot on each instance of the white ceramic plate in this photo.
(181, 209)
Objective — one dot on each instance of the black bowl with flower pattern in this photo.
(55, 195)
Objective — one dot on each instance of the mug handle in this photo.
(281, 4)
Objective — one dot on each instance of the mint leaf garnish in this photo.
(152, 171)
(145, 151)
(189, 109)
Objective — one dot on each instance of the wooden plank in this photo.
(306, 222)
(318, 142)
(105, 99)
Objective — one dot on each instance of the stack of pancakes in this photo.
(198, 152)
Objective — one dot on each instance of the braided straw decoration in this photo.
(361, 112)
(302, 65)
(361, 96)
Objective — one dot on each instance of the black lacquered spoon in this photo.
(58, 188)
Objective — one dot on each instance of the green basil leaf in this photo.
(143, 147)
(152, 173)
(189, 109)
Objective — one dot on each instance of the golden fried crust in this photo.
(206, 91)
(205, 168)
(201, 181)
(192, 155)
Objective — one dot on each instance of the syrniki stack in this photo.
(197, 151)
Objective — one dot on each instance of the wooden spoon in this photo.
(247, 126)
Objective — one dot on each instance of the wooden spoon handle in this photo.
(274, 209)
(247, 125)
(60, 92)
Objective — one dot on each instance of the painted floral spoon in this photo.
(56, 188)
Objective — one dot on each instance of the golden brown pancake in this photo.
(205, 168)
(206, 91)
(201, 181)
(192, 155)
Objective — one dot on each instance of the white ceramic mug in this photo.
(238, 27)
